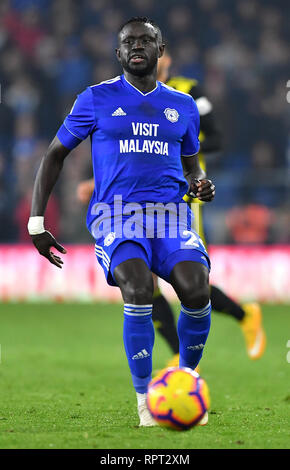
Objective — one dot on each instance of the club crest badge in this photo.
(171, 114)
(110, 238)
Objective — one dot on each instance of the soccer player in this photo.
(249, 315)
(143, 134)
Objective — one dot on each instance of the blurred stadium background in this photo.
(50, 50)
(61, 363)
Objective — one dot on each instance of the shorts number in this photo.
(194, 239)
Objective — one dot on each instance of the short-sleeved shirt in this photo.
(137, 140)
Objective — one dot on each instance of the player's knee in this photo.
(135, 281)
(194, 292)
(195, 296)
(190, 281)
(136, 293)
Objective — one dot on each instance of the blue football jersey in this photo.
(137, 140)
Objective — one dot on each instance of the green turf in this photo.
(65, 383)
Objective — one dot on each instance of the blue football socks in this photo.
(193, 328)
(138, 336)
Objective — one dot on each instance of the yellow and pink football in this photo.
(177, 398)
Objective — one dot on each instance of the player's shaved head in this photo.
(140, 46)
(146, 21)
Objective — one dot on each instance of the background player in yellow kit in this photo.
(248, 315)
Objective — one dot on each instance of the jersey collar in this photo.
(135, 90)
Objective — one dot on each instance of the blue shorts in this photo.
(160, 248)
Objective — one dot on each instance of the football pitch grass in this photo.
(65, 383)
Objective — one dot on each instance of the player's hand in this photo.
(85, 190)
(203, 189)
(43, 243)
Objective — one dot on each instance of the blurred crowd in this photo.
(50, 50)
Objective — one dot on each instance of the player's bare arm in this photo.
(199, 186)
(47, 175)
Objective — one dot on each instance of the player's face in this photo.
(139, 49)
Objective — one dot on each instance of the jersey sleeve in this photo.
(80, 122)
(190, 141)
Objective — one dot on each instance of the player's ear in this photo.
(161, 50)
(117, 50)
